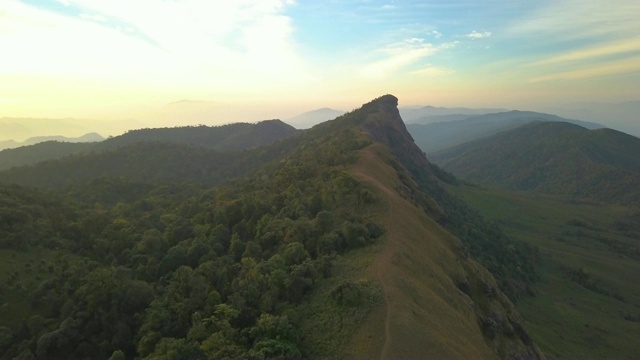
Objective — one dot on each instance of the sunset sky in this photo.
(257, 59)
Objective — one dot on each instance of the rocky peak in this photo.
(384, 124)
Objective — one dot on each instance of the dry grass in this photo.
(426, 316)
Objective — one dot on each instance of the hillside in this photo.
(428, 114)
(552, 157)
(232, 137)
(222, 138)
(33, 154)
(336, 243)
(442, 135)
(587, 300)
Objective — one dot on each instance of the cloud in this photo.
(233, 43)
(612, 68)
(92, 17)
(479, 35)
(578, 19)
(577, 40)
(625, 46)
(436, 34)
(433, 71)
(397, 56)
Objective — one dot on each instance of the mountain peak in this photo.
(387, 100)
(384, 124)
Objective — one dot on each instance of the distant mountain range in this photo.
(220, 138)
(429, 114)
(314, 117)
(463, 128)
(19, 129)
(623, 116)
(224, 138)
(11, 144)
(552, 157)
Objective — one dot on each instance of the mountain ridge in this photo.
(439, 136)
(385, 125)
(308, 198)
(233, 137)
(88, 137)
(552, 157)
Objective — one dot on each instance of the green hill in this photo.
(587, 300)
(33, 154)
(233, 137)
(153, 162)
(336, 242)
(442, 135)
(552, 157)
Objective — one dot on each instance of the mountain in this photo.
(552, 157)
(90, 137)
(224, 138)
(8, 144)
(23, 128)
(310, 118)
(442, 135)
(338, 241)
(429, 114)
(232, 137)
(32, 154)
(621, 116)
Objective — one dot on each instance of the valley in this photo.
(571, 192)
(587, 300)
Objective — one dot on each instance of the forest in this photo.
(172, 264)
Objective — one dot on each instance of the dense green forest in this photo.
(235, 136)
(175, 251)
(554, 158)
(224, 138)
(183, 271)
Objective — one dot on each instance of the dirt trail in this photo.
(385, 259)
(425, 312)
(385, 256)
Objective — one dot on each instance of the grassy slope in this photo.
(566, 319)
(419, 312)
(438, 303)
(414, 270)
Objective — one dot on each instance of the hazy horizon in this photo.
(158, 63)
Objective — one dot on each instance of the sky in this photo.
(244, 60)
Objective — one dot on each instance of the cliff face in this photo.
(439, 303)
(385, 125)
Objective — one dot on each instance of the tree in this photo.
(273, 337)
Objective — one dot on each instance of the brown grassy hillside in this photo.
(438, 303)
